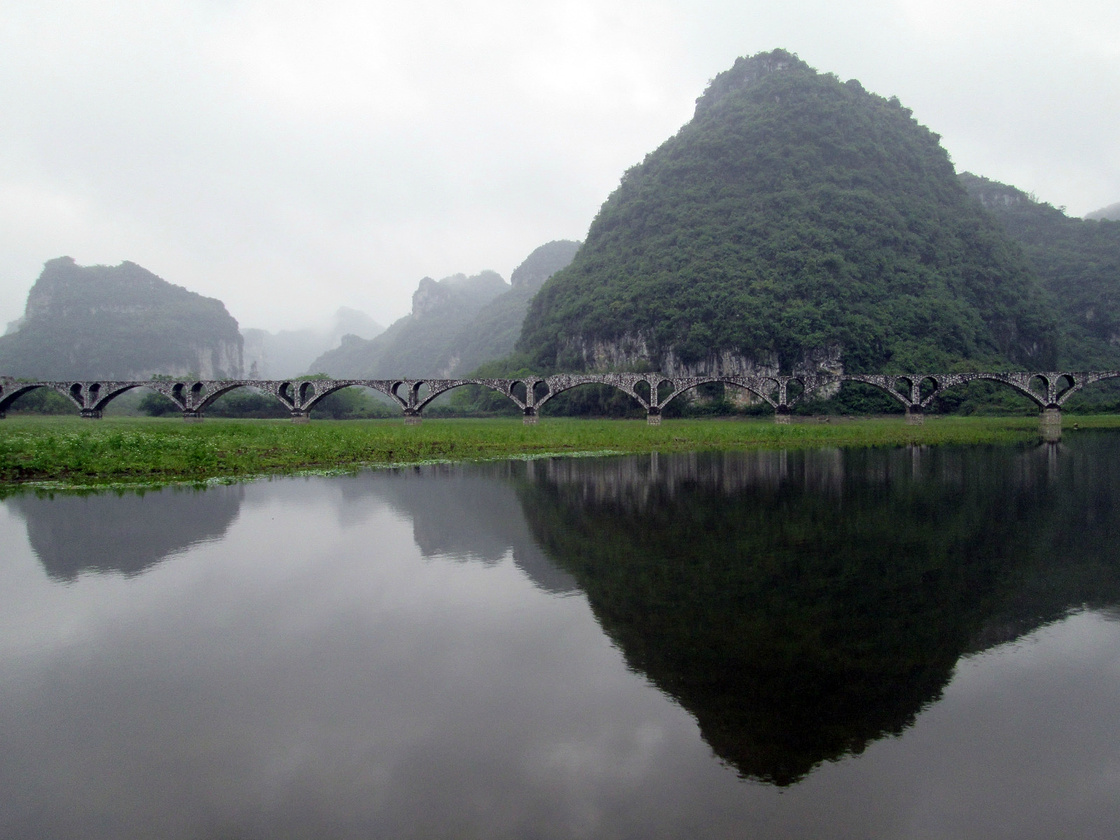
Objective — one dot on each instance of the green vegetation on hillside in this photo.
(794, 220)
(118, 322)
(1078, 261)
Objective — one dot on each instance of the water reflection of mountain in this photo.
(801, 605)
(124, 533)
(469, 513)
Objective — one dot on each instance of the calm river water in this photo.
(887, 643)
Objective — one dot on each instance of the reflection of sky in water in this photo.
(312, 674)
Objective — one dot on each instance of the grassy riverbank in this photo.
(71, 452)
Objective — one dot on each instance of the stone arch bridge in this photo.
(1049, 390)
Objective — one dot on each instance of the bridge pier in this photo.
(412, 419)
(301, 417)
(529, 417)
(192, 416)
(91, 414)
(1050, 424)
(653, 417)
(915, 415)
(781, 415)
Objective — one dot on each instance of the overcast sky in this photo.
(292, 157)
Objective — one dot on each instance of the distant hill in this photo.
(796, 222)
(119, 322)
(1078, 261)
(1111, 212)
(275, 355)
(493, 332)
(421, 343)
(455, 326)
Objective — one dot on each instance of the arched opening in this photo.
(593, 399)
(147, 402)
(1062, 386)
(927, 387)
(353, 402)
(1038, 386)
(850, 398)
(982, 397)
(480, 401)
(247, 403)
(41, 401)
(126, 403)
(664, 390)
(1100, 397)
(903, 385)
(707, 399)
(643, 390)
(795, 392)
(749, 403)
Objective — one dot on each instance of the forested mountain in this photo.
(1078, 261)
(493, 332)
(795, 222)
(275, 355)
(422, 343)
(118, 322)
(456, 324)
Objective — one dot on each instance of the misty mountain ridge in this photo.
(1111, 213)
(119, 322)
(796, 223)
(456, 324)
(286, 353)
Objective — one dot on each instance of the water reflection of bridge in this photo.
(1049, 390)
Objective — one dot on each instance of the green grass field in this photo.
(74, 453)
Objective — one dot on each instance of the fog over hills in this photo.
(276, 355)
(1111, 212)
(120, 322)
(456, 324)
(796, 223)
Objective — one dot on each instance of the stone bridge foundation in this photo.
(915, 416)
(1050, 424)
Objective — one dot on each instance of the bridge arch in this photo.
(561, 383)
(757, 387)
(10, 392)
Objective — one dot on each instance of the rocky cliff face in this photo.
(119, 322)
